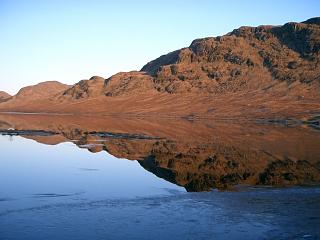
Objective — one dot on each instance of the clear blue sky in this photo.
(72, 40)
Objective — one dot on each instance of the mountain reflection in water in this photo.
(198, 155)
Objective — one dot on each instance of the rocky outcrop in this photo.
(85, 89)
(128, 84)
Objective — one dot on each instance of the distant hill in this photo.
(4, 96)
(265, 71)
(31, 96)
(41, 90)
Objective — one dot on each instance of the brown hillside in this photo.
(251, 72)
(4, 96)
(40, 93)
(41, 90)
(85, 88)
(248, 58)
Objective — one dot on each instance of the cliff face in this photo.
(259, 72)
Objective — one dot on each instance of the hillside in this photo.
(248, 58)
(29, 96)
(41, 90)
(4, 96)
(258, 72)
(85, 89)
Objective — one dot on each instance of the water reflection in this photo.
(198, 155)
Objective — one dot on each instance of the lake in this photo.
(89, 177)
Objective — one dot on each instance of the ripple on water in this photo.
(55, 195)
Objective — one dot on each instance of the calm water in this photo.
(52, 187)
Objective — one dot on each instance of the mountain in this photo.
(251, 72)
(248, 58)
(41, 90)
(33, 95)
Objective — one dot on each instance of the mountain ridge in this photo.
(264, 71)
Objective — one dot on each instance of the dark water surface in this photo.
(155, 180)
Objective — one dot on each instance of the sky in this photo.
(68, 41)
